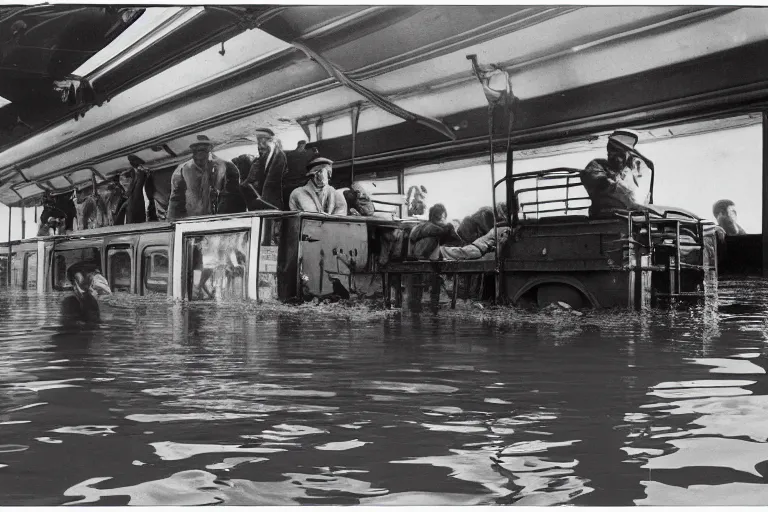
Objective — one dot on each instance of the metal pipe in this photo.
(493, 205)
(23, 223)
(8, 269)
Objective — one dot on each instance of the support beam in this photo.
(23, 223)
(765, 193)
(8, 269)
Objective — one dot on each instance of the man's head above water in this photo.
(87, 278)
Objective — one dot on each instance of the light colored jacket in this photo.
(311, 199)
(194, 189)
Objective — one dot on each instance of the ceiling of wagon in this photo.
(302, 70)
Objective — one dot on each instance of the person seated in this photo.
(726, 215)
(358, 201)
(318, 196)
(479, 248)
(427, 237)
(476, 225)
(612, 184)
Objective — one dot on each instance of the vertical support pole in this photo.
(23, 223)
(765, 193)
(509, 189)
(8, 277)
(355, 119)
(497, 290)
(401, 188)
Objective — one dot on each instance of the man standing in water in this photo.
(87, 284)
(612, 184)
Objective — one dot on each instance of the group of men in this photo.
(207, 185)
(300, 181)
(613, 184)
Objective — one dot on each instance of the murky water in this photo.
(164, 405)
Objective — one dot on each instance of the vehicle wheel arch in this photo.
(534, 283)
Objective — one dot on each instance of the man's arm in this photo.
(149, 190)
(595, 178)
(294, 204)
(177, 203)
(340, 204)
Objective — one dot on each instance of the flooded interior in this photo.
(177, 404)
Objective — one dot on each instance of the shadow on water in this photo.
(164, 403)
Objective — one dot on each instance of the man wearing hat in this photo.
(317, 195)
(612, 184)
(266, 173)
(204, 185)
(136, 182)
(263, 188)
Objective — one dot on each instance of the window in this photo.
(120, 265)
(62, 260)
(383, 191)
(155, 270)
(17, 271)
(216, 265)
(30, 271)
(3, 270)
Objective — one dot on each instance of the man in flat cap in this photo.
(612, 184)
(317, 195)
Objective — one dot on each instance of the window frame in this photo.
(151, 250)
(118, 249)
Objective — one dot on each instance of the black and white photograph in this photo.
(383, 254)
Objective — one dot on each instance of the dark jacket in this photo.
(229, 196)
(134, 209)
(296, 172)
(476, 225)
(267, 179)
(427, 237)
(357, 199)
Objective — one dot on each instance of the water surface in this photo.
(163, 404)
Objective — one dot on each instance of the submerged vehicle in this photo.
(382, 90)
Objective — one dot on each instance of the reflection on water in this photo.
(164, 404)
